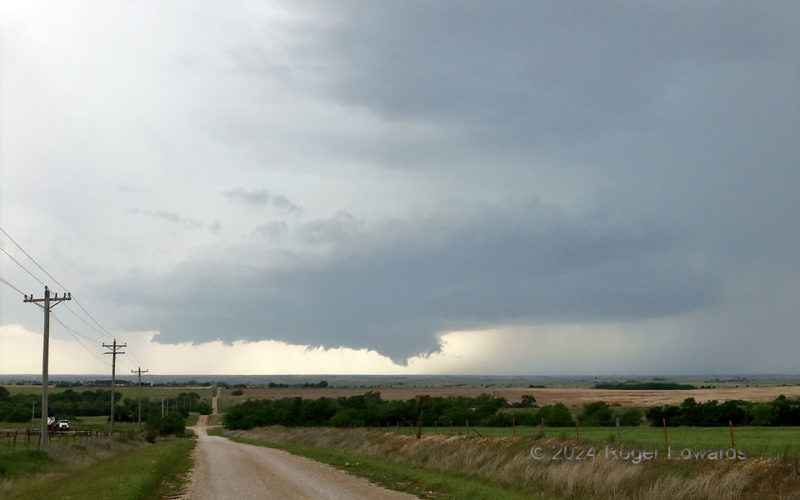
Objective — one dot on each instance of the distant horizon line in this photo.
(443, 375)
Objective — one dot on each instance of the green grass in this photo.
(419, 481)
(192, 419)
(151, 472)
(754, 440)
(24, 462)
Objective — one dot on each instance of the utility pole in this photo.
(114, 351)
(139, 373)
(49, 304)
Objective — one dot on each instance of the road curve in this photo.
(225, 469)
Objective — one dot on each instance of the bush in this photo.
(237, 392)
(173, 423)
(631, 418)
(556, 415)
(597, 413)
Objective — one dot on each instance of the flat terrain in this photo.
(126, 391)
(574, 397)
(225, 469)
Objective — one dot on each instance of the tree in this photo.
(631, 417)
(597, 413)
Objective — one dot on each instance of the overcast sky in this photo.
(405, 187)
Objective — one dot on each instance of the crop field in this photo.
(572, 397)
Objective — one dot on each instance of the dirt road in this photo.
(225, 469)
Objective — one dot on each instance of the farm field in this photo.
(572, 397)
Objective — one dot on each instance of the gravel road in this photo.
(225, 469)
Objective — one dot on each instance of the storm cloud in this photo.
(379, 174)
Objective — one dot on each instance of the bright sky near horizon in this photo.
(403, 187)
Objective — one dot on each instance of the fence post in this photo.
(666, 442)
(730, 425)
(619, 438)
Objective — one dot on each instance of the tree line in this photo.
(70, 404)
(369, 410)
(782, 411)
(372, 411)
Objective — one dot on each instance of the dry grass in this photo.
(506, 461)
(573, 397)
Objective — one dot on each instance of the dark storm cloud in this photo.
(663, 137)
(530, 263)
(681, 118)
(541, 74)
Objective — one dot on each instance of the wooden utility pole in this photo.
(139, 373)
(114, 351)
(49, 304)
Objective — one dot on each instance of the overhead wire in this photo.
(48, 275)
(102, 330)
(83, 320)
(72, 330)
(74, 333)
(23, 267)
(12, 286)
(32, 259)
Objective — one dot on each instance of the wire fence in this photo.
(31, 439)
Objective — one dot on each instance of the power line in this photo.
(12, 286)
(92, 317)
(23, 267)
(84, 321)
(73, 333)
(102, 330)
(71, 330)
(32, 259)
(48, 274)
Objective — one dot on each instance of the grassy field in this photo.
(754, 440)
(506, 463)
(100, 469)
